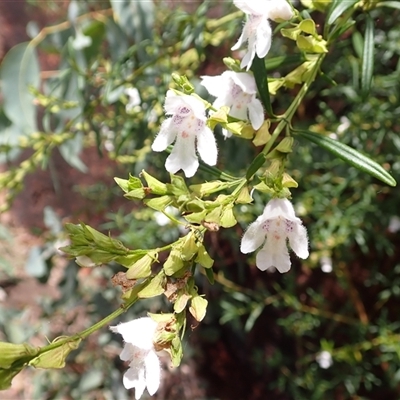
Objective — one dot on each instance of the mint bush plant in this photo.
(199, 195)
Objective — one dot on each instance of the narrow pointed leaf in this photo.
(338, 8)
(260, 75)
(367, 68)
(392, 4)
(350, 155)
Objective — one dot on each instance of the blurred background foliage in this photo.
(265, 334)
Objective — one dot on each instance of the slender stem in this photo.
(85, 333)
(288, 115)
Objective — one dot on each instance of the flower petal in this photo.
(256, 113)
(197, 106)
(165, 137)
(298, 240)
(127, 351)
(215, 85)
(138, 332)
(280, 208)
(134, 378)
(279, 9)
(244, 80)
(206, 146)
(183, 156)
(253, 238)
(263, 38)
(153, 372)
(274, 254)
(255, 7)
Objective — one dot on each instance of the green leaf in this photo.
(392, 4)
(260, 75)
(255, 165)
(19, 71)
(367, 68)
(338, 8)
(349, 155)
(70, 151)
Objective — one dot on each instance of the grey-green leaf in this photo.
(367, 68)
(19, 71)
(350, 155)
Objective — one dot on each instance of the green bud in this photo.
(129, 185)
(274, 84)
(159, 203)
(173, 263)
(55, 358)
(176, 351)
(177, 186)
(247, 132)
(181, 302)
(195, 205)
(204, 189)
(233, 65)
(286, 145)
(236, 127)
(227, 218)
(198, 307)
(263, 188)
(130, 259)
(291, 33)
(308, 26)
(154, 184)
(155, 287)
(203, 258)
(220, 116)
(142, 267)
(244, 196)
(300, 74)
(262, 135)
(188, 247)
(310, 44)
(196, 218)
(214, 215)
(288, 181)
(10, 352)
(183, 82)
(136, 194)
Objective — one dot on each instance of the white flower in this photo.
(324, 359)
(144, 367)
(277, 223)
(326, 264)
(236, 90)
(187, 127)
(134, 98)
(257, 31)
